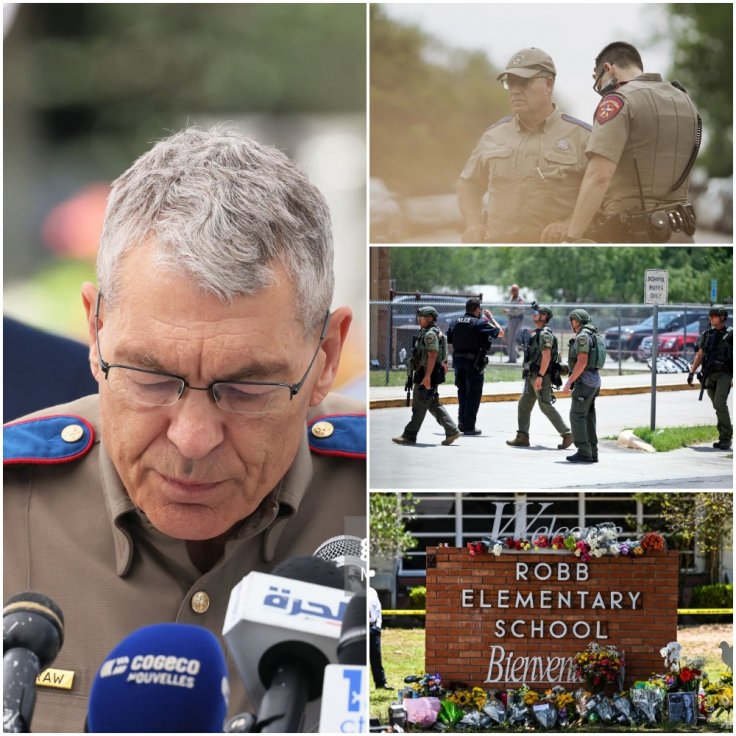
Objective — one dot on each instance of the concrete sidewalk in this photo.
(382, 397)
(486, 462)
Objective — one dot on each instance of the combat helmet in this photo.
(539, 309)
(427, 311)
(581, 315)
(718, 311)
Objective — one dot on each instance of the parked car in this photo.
(386, 215)
(627, 342)
(682, 343)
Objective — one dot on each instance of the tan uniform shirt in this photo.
(72, 532)
(654, 123)
(532, 176)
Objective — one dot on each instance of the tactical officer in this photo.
(214, 447)
(645, 140)
(541, 366)
(585, 383)
(470, 337)
(715, 360)
(531, 163)
(427, 368)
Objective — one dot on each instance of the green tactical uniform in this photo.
(584, 392)
(542, 339)
(717, 347)
(430, 340)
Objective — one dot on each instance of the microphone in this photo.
(347, 553)
(282, 630)
(352, 643)
(344, 692)
(33, 633)
(161, 678)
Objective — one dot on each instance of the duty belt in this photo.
(637, 226)
(469, 356)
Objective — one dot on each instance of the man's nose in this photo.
(197, 425)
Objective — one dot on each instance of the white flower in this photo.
(497, 549)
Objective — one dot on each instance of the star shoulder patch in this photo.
(608, 108)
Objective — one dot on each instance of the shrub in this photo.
(418, 597)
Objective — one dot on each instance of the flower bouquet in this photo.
(598, 666)
(718, 696)
(495, 709)
(545, 711)
(653, 542)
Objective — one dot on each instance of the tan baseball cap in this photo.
(528, 62)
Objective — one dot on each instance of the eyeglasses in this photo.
(155, 388)
(512, 80)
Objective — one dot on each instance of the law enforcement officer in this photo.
(213, 448)
(715, 359)
(428, 366)
(585, 383)
(531, 163)
(645, 140)
(541, 361)
(470, 337)
(375, 622)
(515, 318)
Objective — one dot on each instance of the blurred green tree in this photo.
(429, 104)
(570, 274)
(703, 34)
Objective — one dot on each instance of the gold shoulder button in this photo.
(322, 429)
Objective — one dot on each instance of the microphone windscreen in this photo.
(310, 570)
(164, 677)
(352, 643)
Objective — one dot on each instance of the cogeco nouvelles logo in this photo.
(154, 669)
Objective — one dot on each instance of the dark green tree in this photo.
(388, 535)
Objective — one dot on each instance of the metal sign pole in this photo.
(653, 418)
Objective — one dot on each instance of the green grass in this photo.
(673, 438)
(403, 654)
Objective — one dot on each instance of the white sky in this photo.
(572, 34)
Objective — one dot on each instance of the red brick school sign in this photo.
(519, 617)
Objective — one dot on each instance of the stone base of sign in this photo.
(500, 622)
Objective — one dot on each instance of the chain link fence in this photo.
(627, 328)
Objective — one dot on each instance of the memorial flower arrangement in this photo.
(475, 698)
(598, 666)
(683, 675)
(717, 697)
(597, 541)
(653, 542)
(427, 685)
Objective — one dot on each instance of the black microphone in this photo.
(33, 632)
(352, 643)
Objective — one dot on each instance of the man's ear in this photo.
(89, 300)
(334, 340)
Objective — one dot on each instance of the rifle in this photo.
(408, 386)
(525, 340)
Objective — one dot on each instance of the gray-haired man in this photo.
(213, 448)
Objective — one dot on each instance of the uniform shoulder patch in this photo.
(340, 435)
(61, 438)
(507, 119)
(608, 108)
(575, 121)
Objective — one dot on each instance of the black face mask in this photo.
(609, 86)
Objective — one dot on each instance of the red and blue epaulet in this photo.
(341, 435)
(60, 438)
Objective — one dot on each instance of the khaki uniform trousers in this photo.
(421, 403)
(529, 397)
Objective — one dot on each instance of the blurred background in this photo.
(434, 91)
(89, 87)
